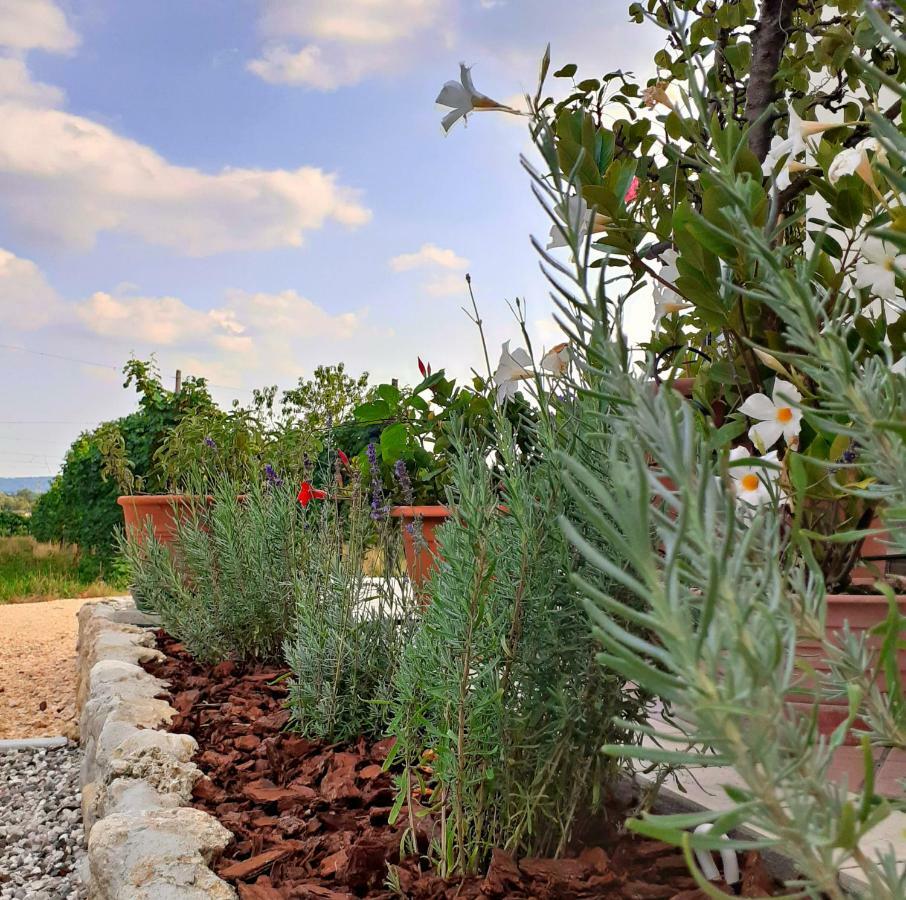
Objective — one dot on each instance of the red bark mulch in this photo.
(310, 820)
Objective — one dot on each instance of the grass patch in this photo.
(31, 572)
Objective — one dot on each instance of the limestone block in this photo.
(157, 855)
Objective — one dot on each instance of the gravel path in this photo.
(37, 668)
(41, 844)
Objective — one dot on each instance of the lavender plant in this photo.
(352, 619)
(501, 709)
(224, 586)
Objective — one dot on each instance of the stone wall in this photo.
(144, 842)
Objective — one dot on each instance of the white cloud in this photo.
(448, 268)
(324, 45)
(16, 85)
(27, 301)
(248, 331)
(95, 180)
(35, 25)
(163, 321)
(66, 178)
(445, 286)
(428, 255)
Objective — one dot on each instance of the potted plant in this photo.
(399, 443)
(723, 341)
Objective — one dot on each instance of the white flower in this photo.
(777, 415)
(780, 149)
(876, 269)
(666, 300)
(800, 130)
(577, 218)
(512, 368)
(462, 98)
(556, 360)
(854, 161)
(752, 483)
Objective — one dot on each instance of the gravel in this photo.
(41, 841)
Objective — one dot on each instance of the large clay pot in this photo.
(862, 612)
(419, 540)
(161, 510)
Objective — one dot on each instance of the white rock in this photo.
(157, 855)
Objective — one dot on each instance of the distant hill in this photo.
(39, 484)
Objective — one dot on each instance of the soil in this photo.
(38, 669)
(310, 819)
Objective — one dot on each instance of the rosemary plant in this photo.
(501, 709)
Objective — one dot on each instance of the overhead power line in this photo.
(98, 365)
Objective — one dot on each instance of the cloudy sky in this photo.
(248, 188)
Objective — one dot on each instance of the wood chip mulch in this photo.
(310, 819)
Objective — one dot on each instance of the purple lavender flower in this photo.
(849, 456)
(209, 442)
(379, 508)
(405, 483)
(273, 479)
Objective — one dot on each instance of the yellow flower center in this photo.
(749, 482)
(888, 263)
(784, 414)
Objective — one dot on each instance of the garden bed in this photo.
(310, 819)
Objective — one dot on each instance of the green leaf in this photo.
(567, 71)
(389, 392)
(394, 442)
(798, 473)
(375, 411)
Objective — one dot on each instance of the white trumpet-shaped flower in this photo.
(576, 217)
(753, 485)
(511, 369)
(876, 269)
(778, 415)
(556, 360)
(800, 131)
(667, 300)
(855, 161)
(788, 149)
(463, 99)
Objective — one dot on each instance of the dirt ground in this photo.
(37, 668)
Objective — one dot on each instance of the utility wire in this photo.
(97, 365)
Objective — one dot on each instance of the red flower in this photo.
(421, 368)
(633, 191)
(307, 493)
(343, 458)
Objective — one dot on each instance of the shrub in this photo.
(12, 524)
(353, 615)
(225, 590)
(500, 683)
(80, 505)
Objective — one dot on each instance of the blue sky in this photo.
(249, 188)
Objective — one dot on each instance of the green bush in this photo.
(353, 615)
(500, 681)
(12, 524)
(225, 589)
(80, 506)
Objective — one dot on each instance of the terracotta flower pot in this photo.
(419, 540)
(161, 510)
(862, 612)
